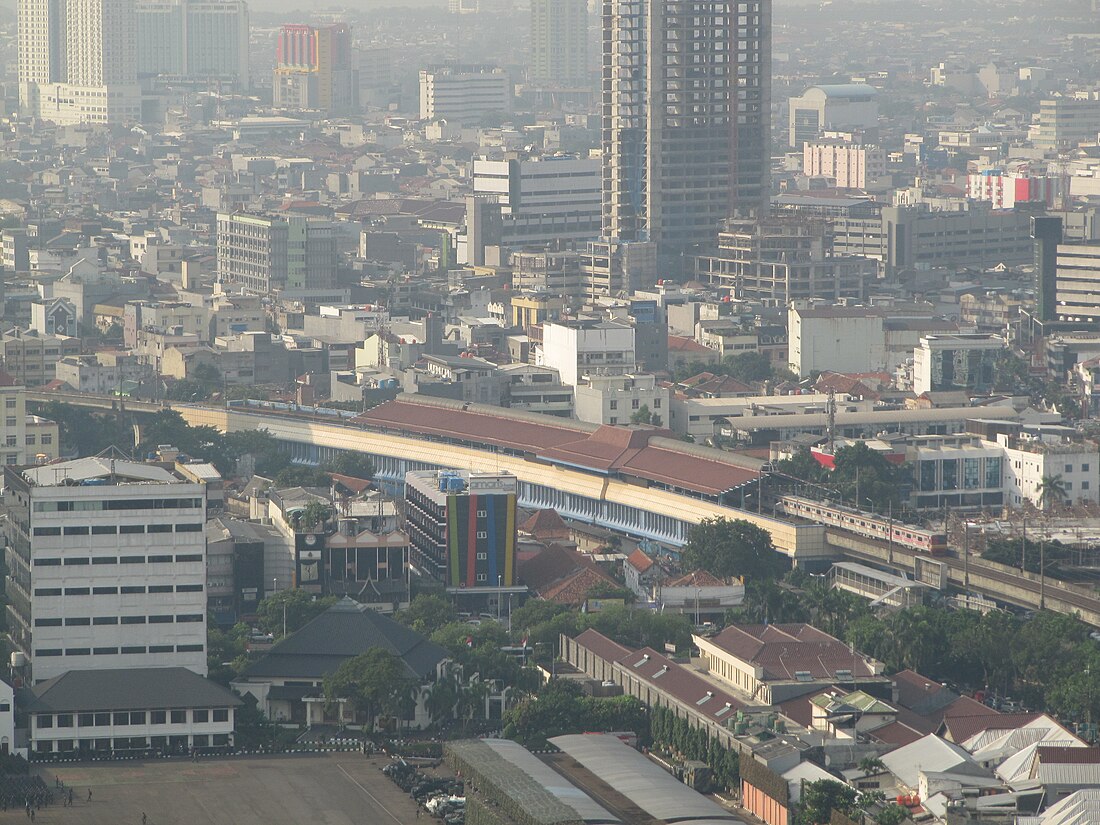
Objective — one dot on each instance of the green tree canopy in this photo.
(732, 547)
(375, 682)
(821, 798)
(301, 608)
(428, 613)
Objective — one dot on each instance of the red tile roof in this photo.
(783, 650)
(680, 343)
(546, 523)
(640, 561)
(679, 681)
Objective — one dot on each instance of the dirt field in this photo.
(337, 789)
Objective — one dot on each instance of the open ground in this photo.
(336, 789)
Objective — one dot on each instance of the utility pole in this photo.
(890, 534)
(966, 553)
(1023, 546)
(1042, 578)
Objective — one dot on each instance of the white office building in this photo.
(542, 199)
(1031, 457)
(589, 346)
(616, 399)
(107, 567)
(464, 94)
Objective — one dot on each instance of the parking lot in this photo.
(335, 789)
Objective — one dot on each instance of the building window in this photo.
(43, 720)
(160, 619)
(159, 559)
(179, 717)
(85, 720)
(221, 714)
(47, 622)
(133, 620)
(157, 717)
(133, 588)
(200, 715)
(105, 651)
(105, 620)
(160, 588)
(64, 720)
(159, 528)
(122, 718)
(482, 577)
(188, 588)
(104, 530)
(482, 556)
(130, 649)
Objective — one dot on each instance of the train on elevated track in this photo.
(866, 524)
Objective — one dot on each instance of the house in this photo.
(701, 595)
(641, 573)
(288, 682)
(563, 575)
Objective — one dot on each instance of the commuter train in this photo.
(870, 525)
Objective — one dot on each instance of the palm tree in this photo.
(442, 698)
(1052, 490)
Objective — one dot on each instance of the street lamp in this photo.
(500, 579)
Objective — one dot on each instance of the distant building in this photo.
(851, 165)
(462, 526)
(77, 62)
(1003, 190)
(850, 106)
(843, 339)
(559, 44)
(136, 533)
(1066, 122)
(685, 144)
(916, 238)
(264, 254)
(615, 399)
(465, 94)
(199, 40)
(579, 348)
(541, 200)
(945, 363)
(781, 259)
(315, 68)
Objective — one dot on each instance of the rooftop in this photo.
(125, 689)
(98, 468)
(789, 652)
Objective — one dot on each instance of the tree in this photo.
(427, 614)
(728, 547)
(642, 415)
(314, 514)
(863, 476)
(821, 798)
(1052, 491)
(748, 367)
(300, 609)
(302, 475)
(374, 682)
(871, 765)
(892, 814)
(356, 465)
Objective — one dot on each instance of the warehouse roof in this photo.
(644, 783)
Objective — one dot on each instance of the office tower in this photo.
(843, 107)
(315, 68)
(107, 566)
(1047, 235)
(559, 43)
(540, 200)
(268, 254)
(1067, 122)
(77, 61)
(686, 102)
(200, 40)
(464, 94)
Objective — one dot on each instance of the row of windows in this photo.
(139, 717)
(115, 651)
(117, 504)
(104, 590)
(84, 560)
(111, 530)
(84, 621)
(198, 740)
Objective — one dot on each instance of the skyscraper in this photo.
(686, 119)
(77, 61)
(559, 43)
(315, 68)
(193, 39)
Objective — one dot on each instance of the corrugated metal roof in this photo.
(641, 781)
